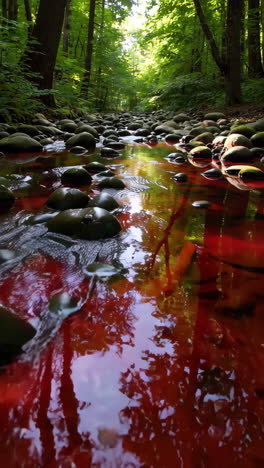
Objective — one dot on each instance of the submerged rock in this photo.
(180, 177)
(89, 223)
(63, 305)
(95, 167)
(7, 198)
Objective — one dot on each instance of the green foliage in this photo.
(185, 92)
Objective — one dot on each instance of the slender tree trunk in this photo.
(89, 50)
(233, 53)
(66, 28)
(4, 8)
(12, 10)
(28, 10)
(41, 56)
(255, 69)
(99, 71)
(262, 27)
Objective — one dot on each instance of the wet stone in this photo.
(180, 177)
(204, 204)
(212, 174)
(90, 223)
(104, 200)
(79, 150)
(76, 176)
(66, 198)
(6, 255)
(14, 333)
(40, 219)
(7, 198)
(109, 152)
(111, 183)
(101, 270)
(95, 167)
(63, 305)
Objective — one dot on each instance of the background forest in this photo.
(86, 55)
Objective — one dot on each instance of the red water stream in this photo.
(162, 367)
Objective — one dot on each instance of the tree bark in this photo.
(230, 64)
(41, 56)
(255, 69)
(233, 52)
(12, 10)
(66, 28)
(4, 9)
(28, 10)
(89, 50)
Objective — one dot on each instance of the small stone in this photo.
(63, 305)
(95, 167)
(201, 152)
(104, 200)
(112, 182)
(180, 177)
(76, 176)
(79, 150)
(109, 152)
(201, 204)
(6, 255)
(212, 174)
(66, 198)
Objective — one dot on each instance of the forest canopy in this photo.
(82, 55)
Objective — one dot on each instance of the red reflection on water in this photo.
(162, 368)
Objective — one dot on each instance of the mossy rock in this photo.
(14, 332)
(107, 173)
(214, 116)
(104, 200)
(84, 139)
(233, 171)
(110, 132)
(237, 140)
(111, 183)
(181, 117)
(197, 131)
(76, 176)
(89, 223)
(201, 152)
(258, 139)
(163, 128)
(7, 198)
(20, 144)
(4, 135)
(70, 127)
(242, 130)
(95, 167)
(40, 219)
(173, 138)
(116, 145)
(205, 138)
(210, 123)
(251, 174)
(237, 154)
(258, 125)
(87, 128)
(66, 198)
(28, 129)
(143, 132)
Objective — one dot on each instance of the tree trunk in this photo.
(41, 57)
(233, 52)
(89, 50)
(229, 65)
(28, 10)
(262, 27)
(255, 69)
(4, 8)
(66, 28)
(12, 10)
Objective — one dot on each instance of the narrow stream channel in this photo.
(162, 364)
